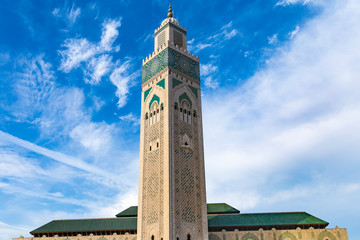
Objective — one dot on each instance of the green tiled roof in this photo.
(264, 219)
(212, 208)
(220, 215)
(78, 225)
(129, 212)
(220, 208)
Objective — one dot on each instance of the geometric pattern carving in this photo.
(171, 58)
(326, 235)
(249, 236)
(178, 39)
(161, 39)
(287, 236)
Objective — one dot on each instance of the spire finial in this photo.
(170, 14)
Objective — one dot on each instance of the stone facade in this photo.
(172, 198)
(298, 234)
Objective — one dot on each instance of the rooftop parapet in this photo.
(172, 21)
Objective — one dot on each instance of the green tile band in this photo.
(173, 59)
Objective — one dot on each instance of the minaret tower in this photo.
(172, 196)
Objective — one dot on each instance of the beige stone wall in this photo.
(298, 234)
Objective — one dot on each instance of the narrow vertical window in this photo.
(152, 237)
(188, 237)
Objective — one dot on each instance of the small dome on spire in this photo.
(170, 14)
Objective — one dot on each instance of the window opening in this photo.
(188, 237)
(150, 148)
(152, 237)
(157, 144)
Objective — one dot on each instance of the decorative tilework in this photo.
(161, 83)
(176, 82)
(184, 96)
(326, 235)
(172, 25)
(154, 98)
(249, 236)
(287, 236)
(171, 58)
(194, 90)
(146, 93)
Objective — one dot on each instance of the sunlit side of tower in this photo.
(172, 196)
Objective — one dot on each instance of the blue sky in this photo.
(280, 93)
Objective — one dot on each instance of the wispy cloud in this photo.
(291, 2)
(292, 118)
(123, 80)
(96, 61)
(69, 14)
(93, 136)
(294, 32)
(273, 39)
(226, 33)
(131, 118)
(63, 158)
(208, 72)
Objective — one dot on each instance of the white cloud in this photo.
(4, 58)
(131, 118)
(60, 157)
(73, 14)
(96, 61)
(109, 33)
(69, 15)
(273, 39)
(218, 39)
(93, 136)
(291, 2)
(76, 51)
(98, 67)
(123, 80)
(301, 110)
(294, 32)
(210, 82)
(207, 69)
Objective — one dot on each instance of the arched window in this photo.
(146, 116)
(188, 237)
(157, 144)
(185, 112)
(150, 148)
(194, 114)
(176, 106)
(162, 107)
(152, 237)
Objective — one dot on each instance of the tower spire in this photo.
(170, 14)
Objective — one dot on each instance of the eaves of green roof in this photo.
(220, 208)
(79, 225)
(264, 219)
(129, 212)
(212, 208)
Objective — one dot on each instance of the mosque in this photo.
(172, 195)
